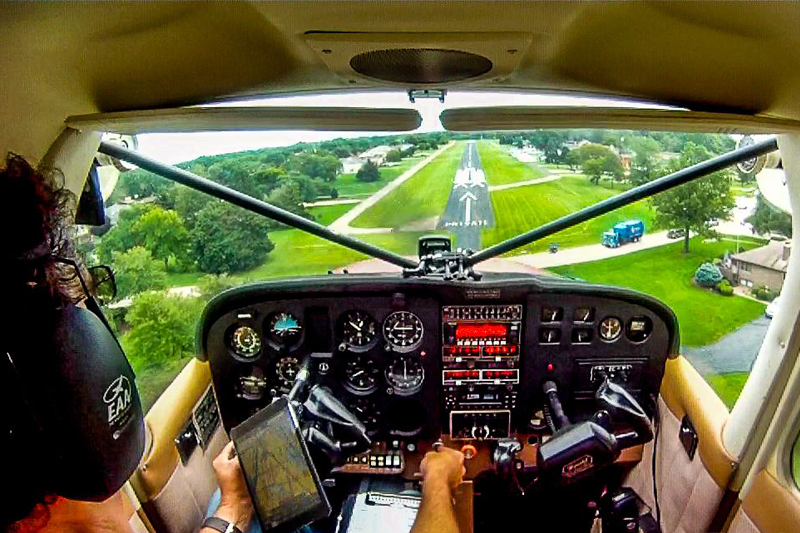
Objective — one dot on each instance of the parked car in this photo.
(772, 308)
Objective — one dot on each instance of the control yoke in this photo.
(328, 425)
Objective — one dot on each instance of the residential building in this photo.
(764, 266)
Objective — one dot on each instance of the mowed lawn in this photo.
(325, 214)
(348, 185)
(523, 208)
(423, 196)
(666, 273)
(501, 168)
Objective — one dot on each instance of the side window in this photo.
(796, 461)
(157, 329)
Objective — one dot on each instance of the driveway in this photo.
(734, 352)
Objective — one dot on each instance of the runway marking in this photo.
(469, 197)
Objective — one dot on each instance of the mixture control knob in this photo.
(469, 451)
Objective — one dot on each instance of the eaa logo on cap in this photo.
(117, 398)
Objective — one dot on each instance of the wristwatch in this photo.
(223, 526)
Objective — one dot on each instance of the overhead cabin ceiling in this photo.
(63, 59)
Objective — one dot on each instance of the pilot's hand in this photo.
(235, 504)
(446, 465)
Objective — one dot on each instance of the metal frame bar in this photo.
(628, 197)
(251, 204)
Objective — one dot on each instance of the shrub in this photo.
(368, 172)
(725, 288)
(708, 275)
(763, 293)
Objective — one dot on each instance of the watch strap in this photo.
(221, 525)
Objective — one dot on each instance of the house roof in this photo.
(769, 256)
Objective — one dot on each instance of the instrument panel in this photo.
(421, 359)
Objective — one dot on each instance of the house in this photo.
(764, 266)
(350, 165)
(377, 155)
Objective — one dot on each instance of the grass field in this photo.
(326, 214)
(524, 208)
(501, 167)
(666, 273)
(422, 196)
(299, 254)
(728, 386)
(348, 185)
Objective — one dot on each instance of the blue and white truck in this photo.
(624, 232)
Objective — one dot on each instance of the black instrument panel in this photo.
(419, 358)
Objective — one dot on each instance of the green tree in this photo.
(597, 161)
(288, 197)
(122, 236)
(594, 168)
(767, 219)
(394, 156)
(324, 166)
(694, 206)
(163, 234)
(189, 202)
(645, 165)
(368, 172)
(137, 271)
(227, 238)
(210, 285)
(162, 328)
(552, 144)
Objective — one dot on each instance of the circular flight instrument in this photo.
(358, 330)
(403, 331)
(361, 375)
(284, 330)
(286, 369)
(405, 375)
(368, 412)
(246, 342)
(610, 329)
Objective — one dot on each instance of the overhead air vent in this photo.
(420, 65)
(423, 60)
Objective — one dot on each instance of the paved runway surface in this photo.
(469, 208)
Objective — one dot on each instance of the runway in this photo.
(469, 208)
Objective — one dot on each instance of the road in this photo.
(734, 352)
(342, 224)
(590, 252)
(469, 208)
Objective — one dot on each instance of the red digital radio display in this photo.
(481, 331)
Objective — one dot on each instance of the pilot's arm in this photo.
(441, 474)
(235, 505)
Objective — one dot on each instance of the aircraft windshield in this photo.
(702, 248)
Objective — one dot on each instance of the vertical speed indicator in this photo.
(403, 331)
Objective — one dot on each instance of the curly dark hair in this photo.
(36, 213)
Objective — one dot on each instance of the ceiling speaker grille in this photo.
(420, 65)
